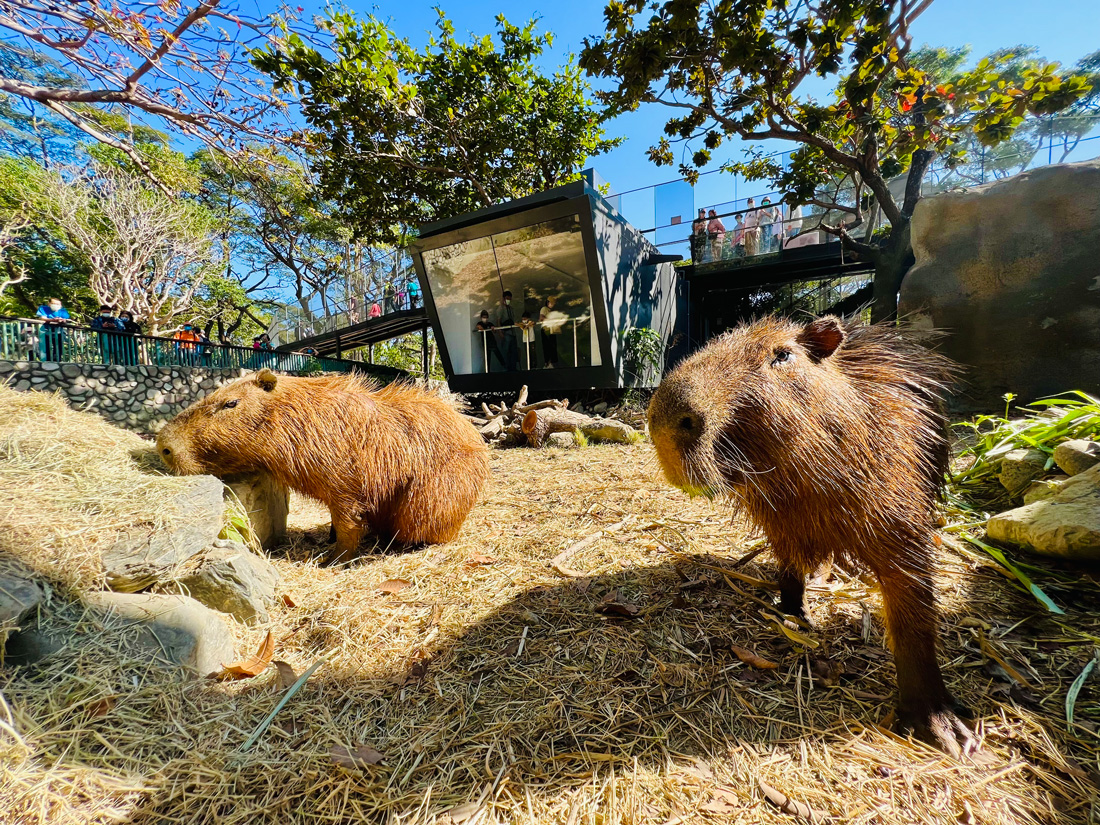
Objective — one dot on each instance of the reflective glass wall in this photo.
(546, 323)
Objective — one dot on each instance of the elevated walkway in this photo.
(804, 263)
(334, 342)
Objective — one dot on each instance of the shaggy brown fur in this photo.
(830, 436)
(395, 460)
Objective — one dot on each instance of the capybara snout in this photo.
(396, 460)
(831, 437)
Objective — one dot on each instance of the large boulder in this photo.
(230, 578)
(267, 503)
(1008, 271)
(1066, 524)
(144, 556)
(1077, 455)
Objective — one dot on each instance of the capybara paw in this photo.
(332, 535)
(942, 729)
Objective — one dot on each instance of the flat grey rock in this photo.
(1019, 468)
(230, 578)
(1076, 456)
(1065, 525)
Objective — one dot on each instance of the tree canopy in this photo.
(739, 69)
(403, 136)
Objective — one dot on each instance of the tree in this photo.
(736, 68)
(180, 62)
(405, 136)
(145, 252)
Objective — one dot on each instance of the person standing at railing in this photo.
(767, 226)
(551, 321)
(187, 345)
(486, 340)
(53, 334)
(128, 351)
(107, 328)
(752, 229)
(794, 226)
(699, 246)
(527, 325)
(414, 294)
(716, 233)
(737, 245)
(387, 299)
(506, 337)
(375, 311)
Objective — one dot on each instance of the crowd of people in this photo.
(757, 230)
(508, 338)
(118, 337)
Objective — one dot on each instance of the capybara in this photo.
(831, 436)
(396, 460)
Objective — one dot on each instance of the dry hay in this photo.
(69, 483)
(491, 688)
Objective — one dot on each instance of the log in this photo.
(537, 424)
(492, 429)
(522, 398)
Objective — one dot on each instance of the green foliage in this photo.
(405, 136)
(642, 346)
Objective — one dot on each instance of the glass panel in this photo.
(547, 323)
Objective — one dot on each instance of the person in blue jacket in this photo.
(52, 342)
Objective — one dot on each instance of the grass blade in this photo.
(1075, 688)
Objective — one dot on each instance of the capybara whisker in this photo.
(848, 420)
(397, 461)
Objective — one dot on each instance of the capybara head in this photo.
(777, 402)
(208, 436)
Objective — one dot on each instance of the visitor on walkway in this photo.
(551, 321)
(767, 226)
(505, 317)
(107, 328)
(375, 311)
(387, 299)
(53, 338)
(752, 229)
(187, 345)
(486, 340)
(794, 226)
(716, 232)
(527, 326)
(130, 330)
(414, 294)
(737, 245)
(700, 249)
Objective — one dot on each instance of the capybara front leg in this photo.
(792, 593)
(925, 707)
(349, 532)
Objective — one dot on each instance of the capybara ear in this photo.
(822, 337)
(266, 380)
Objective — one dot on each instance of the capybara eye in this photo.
(686, 423)
(782, 356)
(228, 405)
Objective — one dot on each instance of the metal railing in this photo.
(293, 324)
(25, 339)
(491, 344)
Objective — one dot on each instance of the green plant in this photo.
(643, 348)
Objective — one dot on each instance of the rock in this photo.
(1044, 488)
(266, 502)
(232, 579)
(1020, 467)
(993, 263)
(50, 366)
(1067, 524)
(600, 409)
(20, 593)
(70, 370)
(563, 440)
(143, 557)
(1076, 456)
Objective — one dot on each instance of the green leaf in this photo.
(1075, 689)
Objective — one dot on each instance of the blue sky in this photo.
(1063, 31)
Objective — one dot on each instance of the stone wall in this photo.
(1010, 273)
(138, 398)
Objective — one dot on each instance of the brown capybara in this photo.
(396, 460)
(830, 436)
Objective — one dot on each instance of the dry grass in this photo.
(69, 483)
(491, 683)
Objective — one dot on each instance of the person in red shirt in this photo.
(187, 345)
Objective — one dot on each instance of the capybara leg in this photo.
(332, 534)
(349, 532)
(925, 707)
(792, 593)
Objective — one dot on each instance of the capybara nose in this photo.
(166, 452)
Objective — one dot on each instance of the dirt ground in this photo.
(490, 687)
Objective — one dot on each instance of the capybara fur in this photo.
(396, 461)
(830, 436)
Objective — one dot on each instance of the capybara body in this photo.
(830, 436)
(396, 460)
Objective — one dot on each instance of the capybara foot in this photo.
(337, 556)
(940, 728)
(331, 535)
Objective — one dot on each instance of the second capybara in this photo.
(831, 437)
(393, 460)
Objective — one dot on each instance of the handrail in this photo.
(63, 341)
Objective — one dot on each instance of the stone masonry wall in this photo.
(139, 398)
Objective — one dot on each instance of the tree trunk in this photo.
(891, 264)
(537, 424)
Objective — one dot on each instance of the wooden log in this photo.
(537, 424)
(492, 429)
(540, 405)
(522, 397)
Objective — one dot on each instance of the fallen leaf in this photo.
(102, 706)
(393, 586)
(722, 801)
(796, 636)
(437, 614)
(790, 806)
(613, 605)
(477, 559)
(750, 658)
(288, 600)
(254, 665)
(287, 676)
(362, 755)
(826, 672)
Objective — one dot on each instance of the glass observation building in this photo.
(542, 291)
